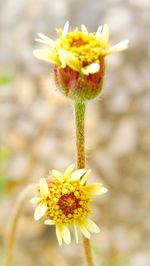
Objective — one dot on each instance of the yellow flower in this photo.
(78, 59)
(65, 201)
(79, 50)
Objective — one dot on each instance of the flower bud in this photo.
(78, 86)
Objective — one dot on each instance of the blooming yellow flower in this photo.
(78, 57)
(79, 50)
(65, 200)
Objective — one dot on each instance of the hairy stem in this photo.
(80, 153)
(80, 139)
(14, 222)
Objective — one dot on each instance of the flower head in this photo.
(64, 200)
(78, 57)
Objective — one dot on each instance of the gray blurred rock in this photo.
(125, 137)
(17, 166)
(141, 258)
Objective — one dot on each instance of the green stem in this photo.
(80, 153)
(80, 138)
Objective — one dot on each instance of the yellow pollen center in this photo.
(86, 47)
(78, 43)
(68, 201)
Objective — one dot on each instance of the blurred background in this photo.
(36, 129)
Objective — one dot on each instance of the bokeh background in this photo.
(37, 129)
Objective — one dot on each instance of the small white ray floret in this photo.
(78, 174)
(44, 188)
(105, 33)
(63, 233)
(76, 233)
(95, 189)
(67, 58)
(69, 170)
(91, 69)
(91, 226)
(118, 47)
(98, 33)
(46, 40)
(84, 230)
(65, 29)
(85, 177)
(35, 200)
(46, 55)
(40, 211)
(57, 174)
(49, 222)
(84, 29)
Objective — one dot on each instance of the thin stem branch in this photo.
(80, 147)
(87, 251)
(14, 222)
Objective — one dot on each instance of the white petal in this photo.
(68, 58)
(40, 211)
(85, 177)
(95, 189)
(69, 170)
(91, 226)
(57, 175)
(62, 57)
(66, 234)
(76, 233)
(59, 233)
(44, 188)
(105, 33)
(84, 231)
(35, 200)
(90, 69)
(47, 56)
(84, 29)
(65, 30)
(78, 174)
(49, 222)
(98, 33)
(118, 47)
(46, 40)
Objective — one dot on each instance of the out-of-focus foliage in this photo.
(114, 258)
(2, 184)
(116, 262)
(4, 156)
(5, 79)
(1, 256)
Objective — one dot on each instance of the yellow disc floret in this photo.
(85, 47)
(67, 201)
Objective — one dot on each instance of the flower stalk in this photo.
(12, 230)
(80, 138)
(80, 158)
